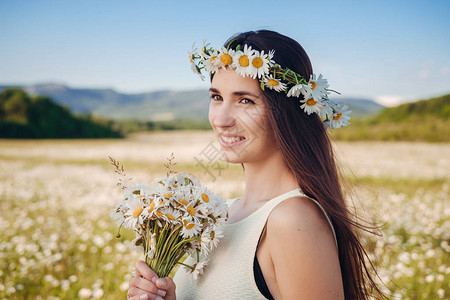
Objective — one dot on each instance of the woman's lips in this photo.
(231, 141)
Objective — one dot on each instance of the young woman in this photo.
(290, 236)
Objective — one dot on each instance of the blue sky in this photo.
(391, 51)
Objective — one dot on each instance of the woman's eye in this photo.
(247, 101)
(215, 97)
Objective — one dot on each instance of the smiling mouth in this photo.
(231, 141)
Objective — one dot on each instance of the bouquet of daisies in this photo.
(174, 217)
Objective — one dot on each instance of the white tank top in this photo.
(229, 272)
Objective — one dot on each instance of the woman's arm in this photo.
(147, 285)
(303, 251)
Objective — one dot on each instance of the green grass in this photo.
(58, 239)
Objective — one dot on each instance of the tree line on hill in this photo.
(23, 116)
(425, 120)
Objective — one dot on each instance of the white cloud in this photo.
(389, 100)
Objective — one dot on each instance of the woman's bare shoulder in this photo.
(298, 234)
(299, 213)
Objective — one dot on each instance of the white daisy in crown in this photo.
(211, 61)
(241, 61)
(316, 88)
(325, 109)
(225, 57)
(260, 64)
(203, 49)
(296, 90)
(311, 106)
(340, 118)
(274, 84)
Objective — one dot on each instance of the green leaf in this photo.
(229, 44)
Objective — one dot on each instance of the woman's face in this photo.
(238, 116)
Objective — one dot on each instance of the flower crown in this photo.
(256, 64)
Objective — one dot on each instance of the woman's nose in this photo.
(223, 116)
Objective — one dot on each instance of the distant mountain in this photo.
(152, 106)
(360, 107)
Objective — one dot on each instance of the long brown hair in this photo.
(307, 151)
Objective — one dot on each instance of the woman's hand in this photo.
(147, 285)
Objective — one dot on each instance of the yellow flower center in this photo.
(190, 226)
(203, 49)
(170, 217)
(150, 207)
(243, 61)
(191, 59)
(205, 197)
(159, 214)
(168, 195)
(311, 102)
(137, 212)
(257, 62)
(212, 59)
(337, 116)
(141, 196)
(273, 82)
(183, 201)
(313, 85)
(226, 59)
(174, 185)
(190, 210)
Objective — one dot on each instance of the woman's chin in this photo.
(232, 157)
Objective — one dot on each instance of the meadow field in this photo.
(58, 240)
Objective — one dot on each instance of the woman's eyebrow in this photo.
(236, 93)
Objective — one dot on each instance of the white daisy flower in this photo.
(190, 228)
(203, 50)
(192, 56)
(259, 65)
(205, 242)
(316, 88)
(211, 61)
(241, 61)
(296, 90)
(187, 179)
(134, 213)
(340, 117)
(192, 53)
(274, 84)
(149, 211)
(325, 109)
(270, 58)
(197, 71)
(198, 269)
(215, 235)
(171, 215)
(225, 57)
(311, 106)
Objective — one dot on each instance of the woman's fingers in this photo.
(144, 271)
(147, 286)
(168, 285)
(145, 297)
(135, 293)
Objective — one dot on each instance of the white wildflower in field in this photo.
(58, 196)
